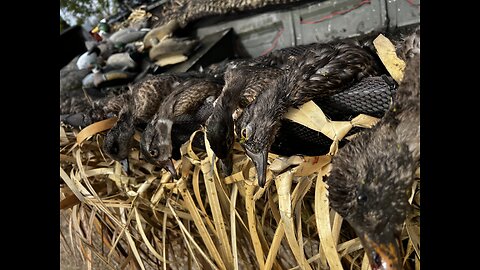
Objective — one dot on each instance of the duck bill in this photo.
(383, 254)
(226, 165)
(124, 163)
(260, 162)
(168, 165)
(77, 120)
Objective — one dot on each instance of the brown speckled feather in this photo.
(328, 69)
(245, 83)
(145, 97)
(148, 94)
(188, 96)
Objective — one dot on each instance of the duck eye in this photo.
(244, 133)
(362, 198)
(153, 153)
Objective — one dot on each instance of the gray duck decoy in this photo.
(371, 177)
(156, 141)
(322, 72)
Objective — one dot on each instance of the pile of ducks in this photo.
(244, 101)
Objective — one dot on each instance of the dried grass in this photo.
(203, 221)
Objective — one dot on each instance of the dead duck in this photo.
(371, 177)
(244, 79)
(324, 71)
(188, 96)
(100, 109)
(144, 97)
(242, 85)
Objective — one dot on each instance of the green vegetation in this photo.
(80, 10)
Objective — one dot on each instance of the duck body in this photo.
(323, 71)
(188, 96)
(127, 35)
(371, 177)
(124, 60)
(89, 59)
(371, 96)
(145, 97)
(100, 109)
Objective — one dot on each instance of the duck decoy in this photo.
(156, 141)
(172, 46)
(127, 35)
(125, 60)
(89, 59)
(102, 29)
(111, 77)
(71, 77)
(371, 177)
(321, 72)
(157, 34)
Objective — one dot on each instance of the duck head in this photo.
(156, 144)
(259, 123)
(369, 186)
(118, 141)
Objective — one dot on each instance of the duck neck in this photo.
(230, 97)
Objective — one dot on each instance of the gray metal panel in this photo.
(260, 33)
(263, 32)
(353, 19)
(403, 12)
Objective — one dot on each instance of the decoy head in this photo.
(156, 144)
